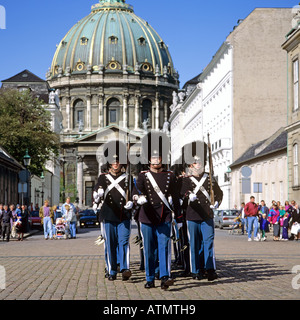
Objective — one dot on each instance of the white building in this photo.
(208, 110)
(240, 94)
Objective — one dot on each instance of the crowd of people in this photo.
(259, 219)
(14, 220)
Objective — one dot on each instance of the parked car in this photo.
(225, 218)
(35, 220)
(88, 218)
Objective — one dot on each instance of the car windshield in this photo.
(34, 214)
(88, 213)
(230, 213)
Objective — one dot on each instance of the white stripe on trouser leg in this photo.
(170, 252)
(128, 249)
(144, 251)
(214, 258)
(107, 256)
(189, 237)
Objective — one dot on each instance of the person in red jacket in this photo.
(251, 212)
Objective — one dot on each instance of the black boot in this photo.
(166, 282)
(149, 285)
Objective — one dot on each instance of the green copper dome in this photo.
(112, 39)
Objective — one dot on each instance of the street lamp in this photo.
(27, 161)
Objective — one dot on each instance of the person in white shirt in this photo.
(70, 216)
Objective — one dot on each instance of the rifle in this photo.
(127, 181)
(211, 171)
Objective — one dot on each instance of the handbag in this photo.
(295, 228)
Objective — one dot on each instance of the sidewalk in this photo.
(26, 235)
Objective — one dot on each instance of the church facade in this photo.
(115, 77)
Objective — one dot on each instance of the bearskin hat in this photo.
(194, 152)
(155, 144)
(115, 151)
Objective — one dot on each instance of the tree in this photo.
(25, 124)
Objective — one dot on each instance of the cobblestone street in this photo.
(74, 270)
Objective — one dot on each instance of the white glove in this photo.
(179, 225)
(100, 192)
(142, 200)
(135, 197)
(128, 205)
(181, 202)
(95, 207)
(192, 197)
(215, 206)
(99, 241)
(95, 196)
(170, 200)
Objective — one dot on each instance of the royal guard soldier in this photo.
(196, 187)
(115, 214)
(153, 188)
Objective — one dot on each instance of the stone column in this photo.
(88, 113)
(101, 123)
(68, 113)
(157, 114)
(136, 117)
(165, 111)
(80, 179)
(125, 110)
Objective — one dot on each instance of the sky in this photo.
(193, 29)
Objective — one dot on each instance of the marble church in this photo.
(115, 79)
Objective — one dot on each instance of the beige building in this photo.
(292, 47)
(259, 89)
(261, 171)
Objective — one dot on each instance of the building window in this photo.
(147, 111)
(113, 116)
(281, 190)
(79, 114)
(142, 41)
(257, 187)
(295, 164)
(273, 191)
(113, 111)
(113, 40)
(296, 84)
(84, 41)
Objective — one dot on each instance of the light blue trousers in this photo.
(156, 241)
(201, 236)
(117, 245)
(48, 228)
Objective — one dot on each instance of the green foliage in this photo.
(25, 124)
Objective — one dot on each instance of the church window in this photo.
(113, 116)
(78, 115)
(114, 65)
(113, 40)
(113, 111)
(142, 41)
(147, 67)
(147, 111)
(84, 41)
(162, 44)
(63, 44)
